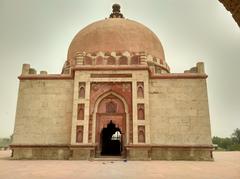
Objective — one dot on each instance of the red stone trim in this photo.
(138, 146)
(99, 68)
(168, 146)
(183, 146)
(52, 146)
(45, 77)
(122, 67)
(38, 145)
(179, 76)
(83, 146)
(111, 75)
(106, 68)
(110, 114)
(210, 147)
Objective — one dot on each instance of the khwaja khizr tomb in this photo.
(116, 97)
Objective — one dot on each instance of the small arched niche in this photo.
(79, 134)
(111, 104)
(140, 89)
(81, 90)
(141, 115)
(141, 134)
(87, 61)
(80, 115)
(123, 60)
(135, 60)
(111, 61)
(99, 60)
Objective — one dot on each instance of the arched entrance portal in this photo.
(111, 141)
(110, 125)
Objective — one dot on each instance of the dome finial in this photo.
(116, 11)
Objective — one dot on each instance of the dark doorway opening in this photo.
(111, 140)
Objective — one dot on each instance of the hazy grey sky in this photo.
(39, 32)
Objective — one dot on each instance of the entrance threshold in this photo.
(109, 158)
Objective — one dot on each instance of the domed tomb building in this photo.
(115, 96)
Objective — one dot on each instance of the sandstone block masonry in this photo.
(176, 117)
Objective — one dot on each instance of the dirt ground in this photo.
(225, 166)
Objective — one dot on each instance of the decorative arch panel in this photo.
(111, 106)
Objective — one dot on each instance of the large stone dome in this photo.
(116, 34)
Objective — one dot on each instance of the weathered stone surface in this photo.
(43, 153)
(138, 154)
(44, 112)
(179, 112)
(81, 154)
(180, 153)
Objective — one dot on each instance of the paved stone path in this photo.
(225, 166)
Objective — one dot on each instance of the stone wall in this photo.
(179, 113)
(41, 152)
(174, 125)
(44, 112)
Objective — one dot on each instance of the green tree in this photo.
(232, 144)
(223, 143)
(236, 136)
(4, 142)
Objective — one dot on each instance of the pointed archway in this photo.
(110, 115)
(111, 142)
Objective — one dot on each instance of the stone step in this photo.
(109, 158)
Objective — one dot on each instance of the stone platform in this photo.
(226, 165)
